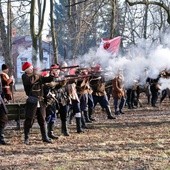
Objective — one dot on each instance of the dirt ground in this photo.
(137, 140)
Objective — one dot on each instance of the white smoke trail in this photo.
(138, 63)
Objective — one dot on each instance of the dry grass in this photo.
(137, 140)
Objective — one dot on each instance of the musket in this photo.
(74, 77)
(60, 68)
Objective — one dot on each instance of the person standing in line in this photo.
(154, 88)
(63, 99)
(118, 94)
(3, 117)
(51, 102)
(6, 82)
(97, 83)
(75, 105)
(82, 87)
(35, 105)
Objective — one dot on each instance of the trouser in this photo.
(130, 100)
(51, 113)
(90, 106)
(63, 111)
(3, 122)
(165, 92)
(103, 101)
(84, 109)
(30, 113)
(77, 113)
(3, 118)
(154, 93)
(117, 104)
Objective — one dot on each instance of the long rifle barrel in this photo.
(74, 78)
(60, 68)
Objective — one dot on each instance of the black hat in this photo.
(4, 67)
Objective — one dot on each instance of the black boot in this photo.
(44, 135)
(86, 116)
(109, 114)
(129, 105)
(78, 125)
(83, 123)
(90, 114)
(18, 127)
(64, 129)
(2, 141)
(51, 131)
(26, 136)
(71, 115)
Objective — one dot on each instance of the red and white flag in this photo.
(111, 45)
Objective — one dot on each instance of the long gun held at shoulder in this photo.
(72, 78)
(60, 68)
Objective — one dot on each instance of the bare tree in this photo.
(162, 4)
(35, 34)
(4, 38)
(53, 32)
(114, 19)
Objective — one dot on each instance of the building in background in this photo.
(22, 52)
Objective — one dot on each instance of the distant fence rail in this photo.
(16, 112)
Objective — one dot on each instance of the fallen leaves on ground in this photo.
(139, 139)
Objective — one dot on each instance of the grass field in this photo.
(137, 140)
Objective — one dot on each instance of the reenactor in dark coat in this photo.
(131, 95)
(63, 99)
(154, 88)
(51, 102)
(97, 84)
(35, 105)
(3, 117)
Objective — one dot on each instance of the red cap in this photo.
(54, 66)
(44, 73)
(26, 65)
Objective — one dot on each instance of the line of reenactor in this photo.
(54, 92)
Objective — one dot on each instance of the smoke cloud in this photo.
(138, 63)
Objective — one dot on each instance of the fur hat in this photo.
(4, 67)
(26, 66)
(54, 66)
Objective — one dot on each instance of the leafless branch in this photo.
(76, 3)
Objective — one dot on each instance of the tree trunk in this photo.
(53, 32)
(33, 31)
(4, 38)
(40, 37)
(113, 18)
(145, 22)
